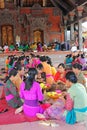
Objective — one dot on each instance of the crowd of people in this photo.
(29, 79)
(35, 46)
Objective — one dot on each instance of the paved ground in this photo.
(57, 57)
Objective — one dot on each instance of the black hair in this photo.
(71, 77)
(11, 60)
(15, 58)
(38, 56)
(69, 56)
(61, 64)
(31, 78)
(32, 55)
(18, 67)
(77, 66)
(43, 58)
(83, 55)
(75, 57)
(21, 58)
(49, 60)
(40, 66)
(12, 72)
(43, 75)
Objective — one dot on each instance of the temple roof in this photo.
(65, 5)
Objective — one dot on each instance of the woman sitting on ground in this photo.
(47, 70)
(60, 75)
(82, 61)
(19, 77)
(73, 107)
(77, 70)
(11, 93)
(31, 93)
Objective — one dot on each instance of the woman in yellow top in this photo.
(47, 70)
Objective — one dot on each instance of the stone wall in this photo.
(26, 20)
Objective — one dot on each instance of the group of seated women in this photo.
(28, 80)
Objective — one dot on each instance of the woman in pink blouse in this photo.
(31, 93)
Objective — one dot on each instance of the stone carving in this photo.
(38, 22)
(6, 17)
(21, 19)
(36, 6)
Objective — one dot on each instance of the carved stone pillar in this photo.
(80, 10)
(14, 2)
(21, 3)
(65, 28)
(65, 20)
(71, 14)
(72, 32)
(65, 33)
(44, 3)
(0, 38)
(80, 34)
(27, 32)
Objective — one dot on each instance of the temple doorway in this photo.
(7, 34)
(38, 36)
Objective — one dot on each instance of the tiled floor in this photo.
(38, 126)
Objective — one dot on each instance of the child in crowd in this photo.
(31, 93)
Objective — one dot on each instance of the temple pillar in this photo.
(72, 14)
(21, 3)
(65, 33)
(0, 38)
(80, 34)
(80, 11)
(14, 2)
(44, 3)
(65, 28)
(72, 32)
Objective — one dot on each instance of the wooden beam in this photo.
(63, 5)
(82, 2)
(54, 4)
(72, 2)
